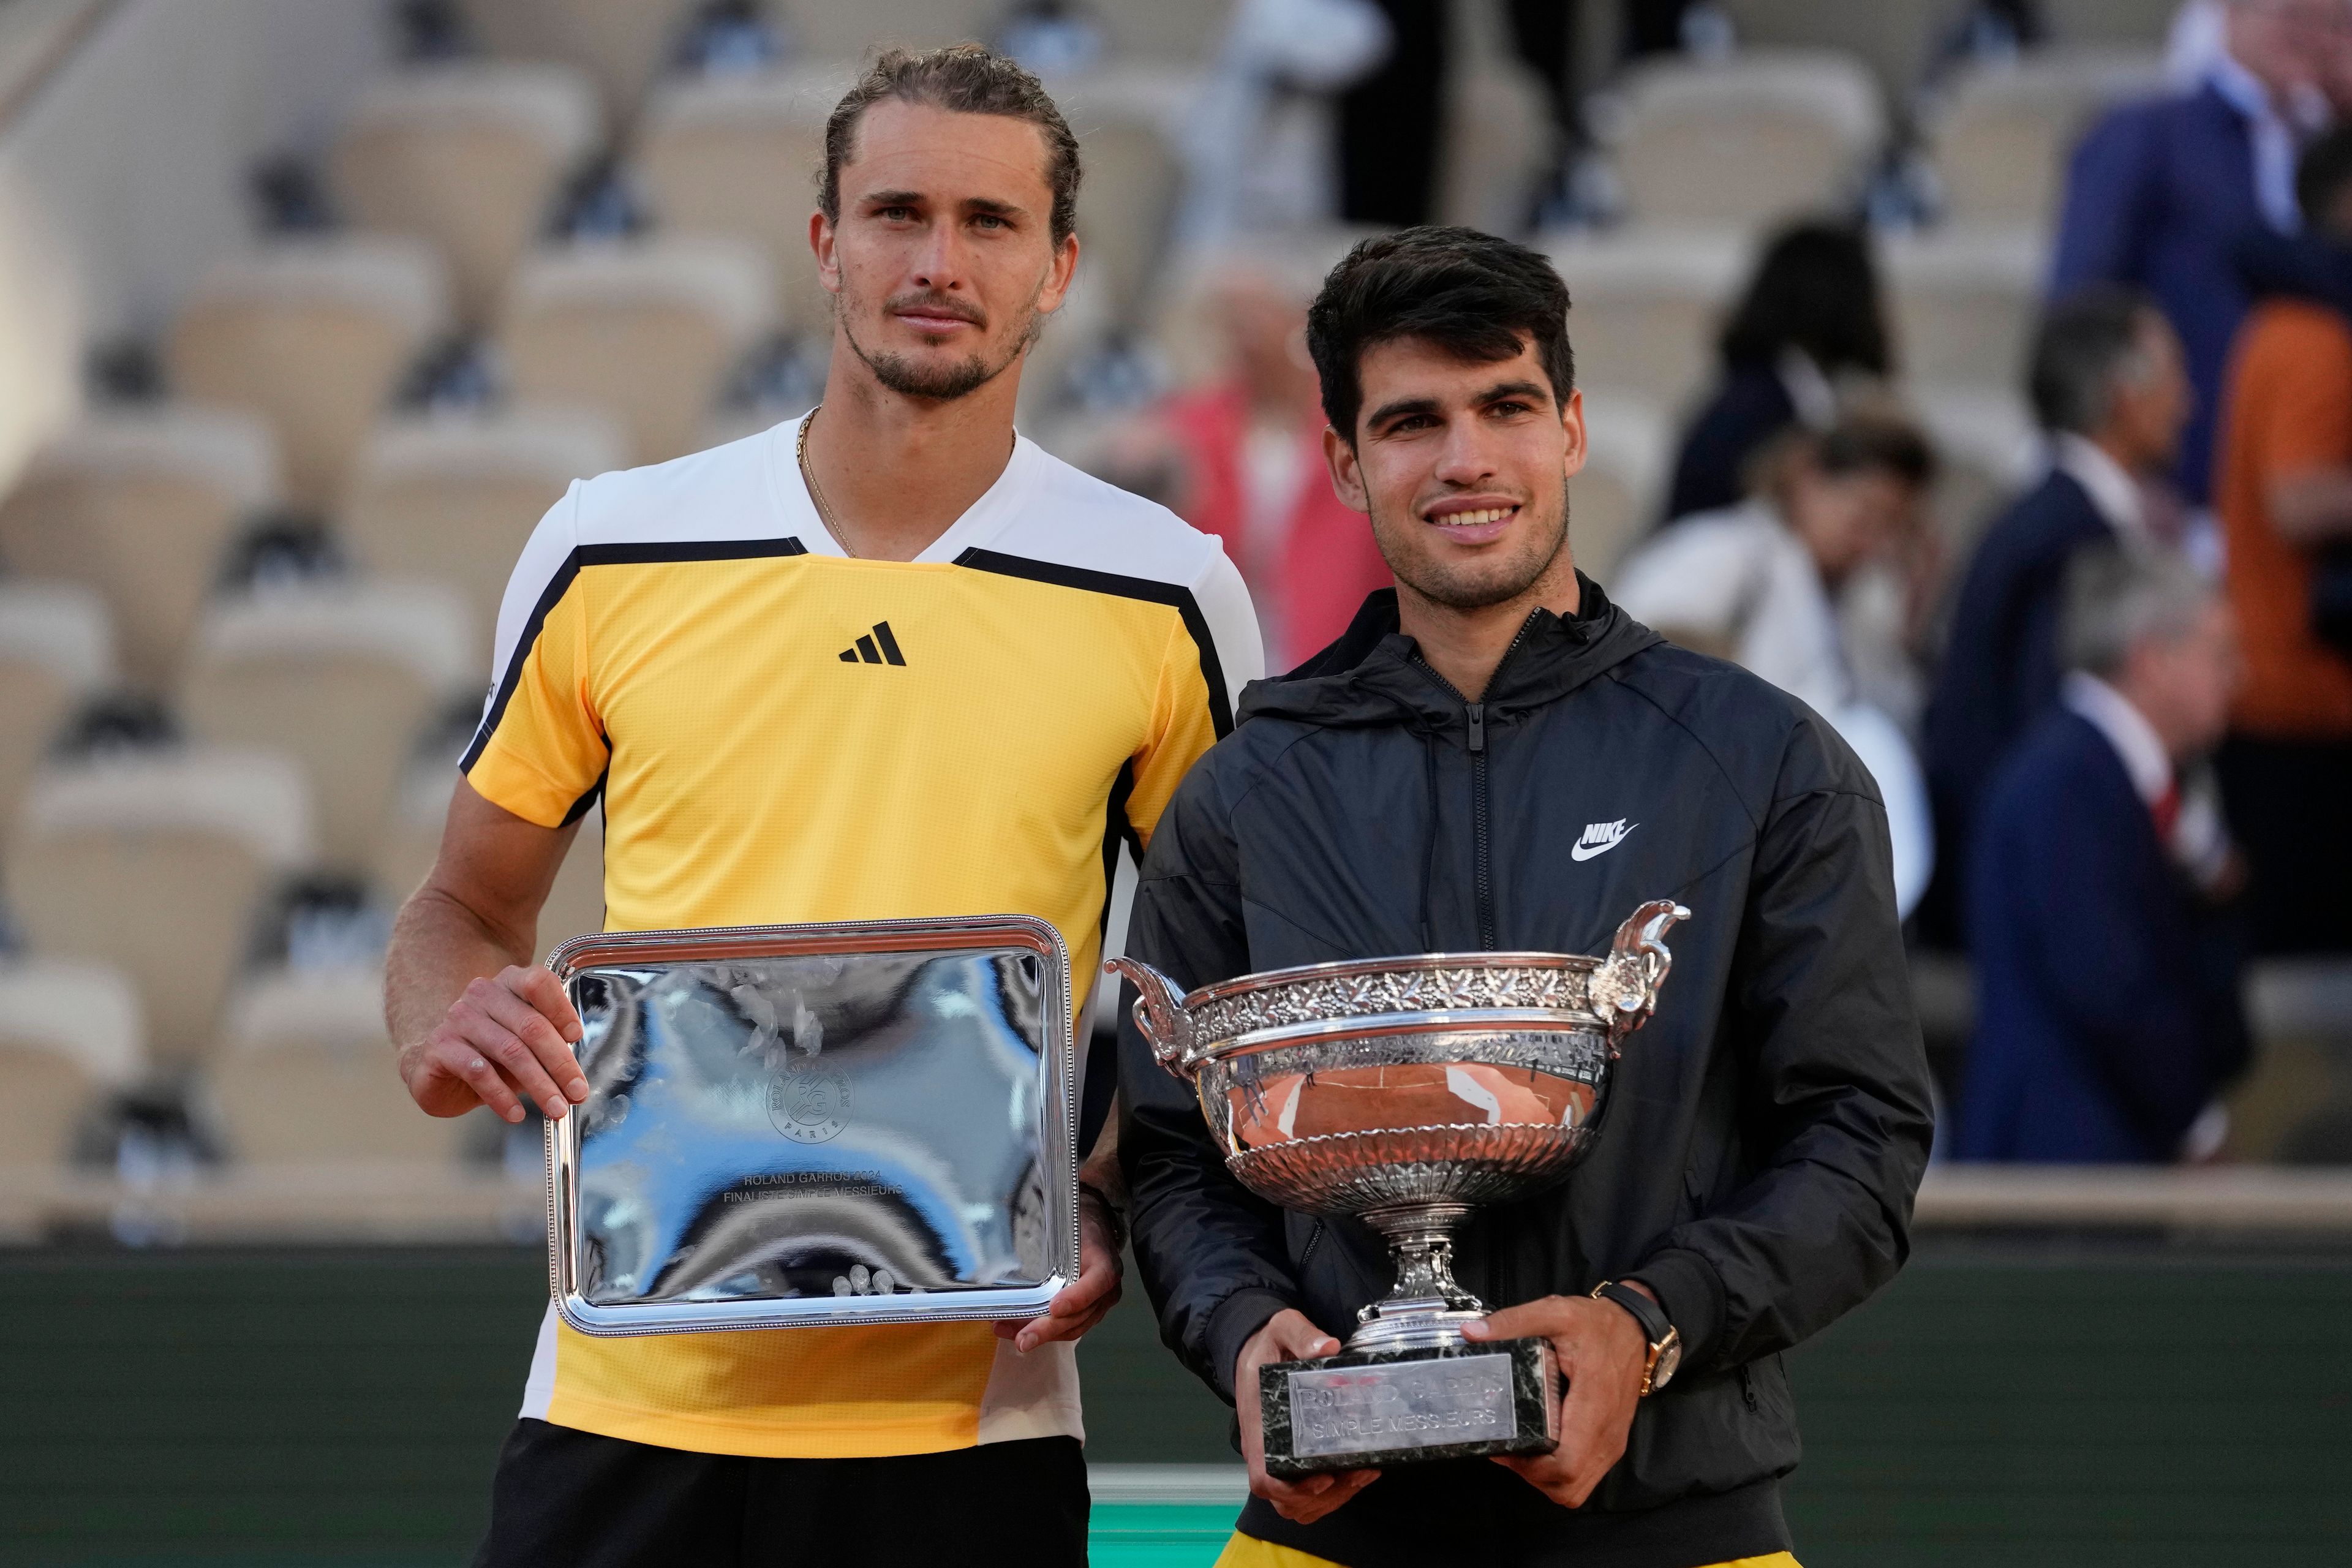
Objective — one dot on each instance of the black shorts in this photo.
(563, 1499)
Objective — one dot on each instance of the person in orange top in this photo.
(2284, 493)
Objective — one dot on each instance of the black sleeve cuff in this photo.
(1689, 1289)
(1231, 1324)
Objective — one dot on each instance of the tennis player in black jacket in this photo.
(1495, 757)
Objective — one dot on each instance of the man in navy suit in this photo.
(2108, 1014)
(2107, 384)
(2161, 192)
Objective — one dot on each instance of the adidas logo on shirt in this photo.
(878, 646)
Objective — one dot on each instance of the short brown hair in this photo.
(963, 78)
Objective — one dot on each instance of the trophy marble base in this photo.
(1369, 1409)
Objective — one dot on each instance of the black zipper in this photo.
(1748, 1385)
(1481, 823)
(1307, 1252)
(1481, 812)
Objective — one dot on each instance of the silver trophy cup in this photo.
(1403, 1091)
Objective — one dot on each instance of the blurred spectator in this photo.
(1813, 314)
(1246, 453)
(2160, 192)
(2108, 384)
(2106, 974)
(1256, 105)
(1391, 123)
(1758, 583)
(2284, 492)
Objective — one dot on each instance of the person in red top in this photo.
(2283, 488)
(1247, 450)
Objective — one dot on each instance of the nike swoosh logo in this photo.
(1586, 851)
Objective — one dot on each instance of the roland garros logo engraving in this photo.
(809, 1103)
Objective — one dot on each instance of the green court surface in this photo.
(1159, 1535)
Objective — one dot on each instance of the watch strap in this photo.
(1656, 1325)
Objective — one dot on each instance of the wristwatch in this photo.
(1665, 1340)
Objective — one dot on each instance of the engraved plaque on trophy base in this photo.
(1371, 1408)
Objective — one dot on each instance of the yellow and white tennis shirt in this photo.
(780, 733)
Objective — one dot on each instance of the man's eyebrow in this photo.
(1404, 406)
(892, 199)
(1401, 408)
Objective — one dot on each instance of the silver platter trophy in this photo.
(816, 1124)
(1403, 1091)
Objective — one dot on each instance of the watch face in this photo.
(1670, 1357)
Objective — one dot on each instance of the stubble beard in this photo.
(939, 382)
(1477, 588)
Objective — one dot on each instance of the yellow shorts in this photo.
(1246, 1552)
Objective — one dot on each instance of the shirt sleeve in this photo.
(541, 750)
(1210, 654)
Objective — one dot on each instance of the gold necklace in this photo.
(808, 477)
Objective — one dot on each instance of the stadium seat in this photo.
(2002, 137)
(1764, 135)
(1130, 191)
(739, 157)
(1615, 501)
(468, 158)
(851, 33)
(314, 336)
(624, 43)
(1988, 450)
(304, 1072)
(340, 677)
(452, 498)
(69, 1035)
(56, 650)
(645, 332)
(1963, 303)
(158, 862)
(138, 506)
(1644, 305)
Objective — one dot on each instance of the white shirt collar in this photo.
(2135, 740)
(2112, 491)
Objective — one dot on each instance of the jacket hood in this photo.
(1374, 674)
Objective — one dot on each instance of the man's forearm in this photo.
(438, 948)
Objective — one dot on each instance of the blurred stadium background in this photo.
(309, 308)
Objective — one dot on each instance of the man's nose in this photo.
(1465, 459)
(939, 263)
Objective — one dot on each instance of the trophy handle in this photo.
(1624, 989)
(1158, 1014)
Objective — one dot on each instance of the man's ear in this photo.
(1347, 472)
(1571, 425)
(1059, 276)
(822, 239)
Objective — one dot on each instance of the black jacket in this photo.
(1766, 1131)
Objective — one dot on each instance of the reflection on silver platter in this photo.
(816, 1124)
